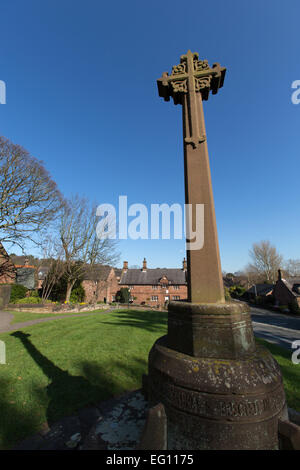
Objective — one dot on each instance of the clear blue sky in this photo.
(82, 97)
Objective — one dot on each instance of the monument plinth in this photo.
(218, 389)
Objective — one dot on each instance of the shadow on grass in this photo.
(65, 393)
(149, 320)
(290, 372)
(15, 421)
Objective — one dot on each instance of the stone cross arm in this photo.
(191, 76)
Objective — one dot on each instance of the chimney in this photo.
(184, 265)
(125, 266)
(26, 261)
(279, 275)
(144, 265)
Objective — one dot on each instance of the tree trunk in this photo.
(70, 285)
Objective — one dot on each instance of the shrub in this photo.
(34, 293)
(270, 300)
(237, 291)
(77, 295)
(294, 307)
(17, 292)
(28, 300)
(282, 308)
(123, 295)
(58, 293)
(227, 294)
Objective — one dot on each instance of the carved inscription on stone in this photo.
(203, 405)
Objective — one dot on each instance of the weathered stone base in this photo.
(224, 392)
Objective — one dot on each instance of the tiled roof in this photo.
(97, 272)
(293, 284)
(261, 289)
(153, 276)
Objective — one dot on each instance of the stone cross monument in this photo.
(189, 83)
(212, 386)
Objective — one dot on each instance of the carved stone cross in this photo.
(189, 83)
(215, 388)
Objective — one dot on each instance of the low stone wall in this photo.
(5, 290)
(55, 308)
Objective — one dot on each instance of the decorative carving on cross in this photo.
(193, 79)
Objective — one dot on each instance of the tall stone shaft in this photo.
(188, 84)
(205, 283)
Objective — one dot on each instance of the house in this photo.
(259, 290)
(154, 286)
(101, 283)
(286, 291)
(26, 275)
(16, 270)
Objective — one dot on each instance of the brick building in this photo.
(154, 287)
(13, 273)
(259, 290)
(101, 283)
(7, 268)
(287, 290)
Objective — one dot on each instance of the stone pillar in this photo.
(205, 283)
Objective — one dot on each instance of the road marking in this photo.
(275, 326)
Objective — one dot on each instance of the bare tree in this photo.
(252, 275)
(53, 254)
(82, 247)
(292, 267)
(265, 261)
(29, 198)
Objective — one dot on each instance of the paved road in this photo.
(277, 328)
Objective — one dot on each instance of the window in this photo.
(176, 287)
(176, 297)
(154, 298)
(154, 287)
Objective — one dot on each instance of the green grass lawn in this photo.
(20, 317)
(57, 367)
(290, 372)
(65, 364)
